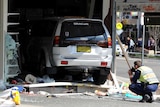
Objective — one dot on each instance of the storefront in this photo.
(32, 10)
(144, 10)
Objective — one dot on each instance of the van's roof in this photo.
(70, 18)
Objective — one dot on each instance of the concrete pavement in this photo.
(82, 101)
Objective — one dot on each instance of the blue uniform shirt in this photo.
(136, 76)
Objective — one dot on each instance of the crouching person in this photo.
(143, 81)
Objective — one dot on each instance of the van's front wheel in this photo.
(42, 66)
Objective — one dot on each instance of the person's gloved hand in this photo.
(132, 69)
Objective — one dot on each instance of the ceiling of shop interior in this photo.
(55, 7)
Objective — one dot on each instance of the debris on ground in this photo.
(43, 93)
(33, 79)
(100, 93)
(12, 95)
(64, 94)
(29, 79)
(124, 93)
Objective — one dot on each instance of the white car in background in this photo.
(119, 51)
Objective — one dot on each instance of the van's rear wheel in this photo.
(100, 77)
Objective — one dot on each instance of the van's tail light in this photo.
(64, 62)
(56, 41)
(103, 64)
(109, 42)
(102, 44)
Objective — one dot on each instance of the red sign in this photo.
(137, 1)
(149, 8)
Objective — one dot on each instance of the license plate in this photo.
(84, 49)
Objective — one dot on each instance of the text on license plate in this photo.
(84, 49)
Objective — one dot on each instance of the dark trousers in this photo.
(131, 49)
(142, 89)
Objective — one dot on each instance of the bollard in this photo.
(15, 96)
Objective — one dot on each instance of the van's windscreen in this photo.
(81, 28)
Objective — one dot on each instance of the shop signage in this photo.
(141, 7)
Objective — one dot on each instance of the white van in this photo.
(79, 47)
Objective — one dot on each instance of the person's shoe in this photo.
(145, 98)
(142, 101)
(150, 100)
